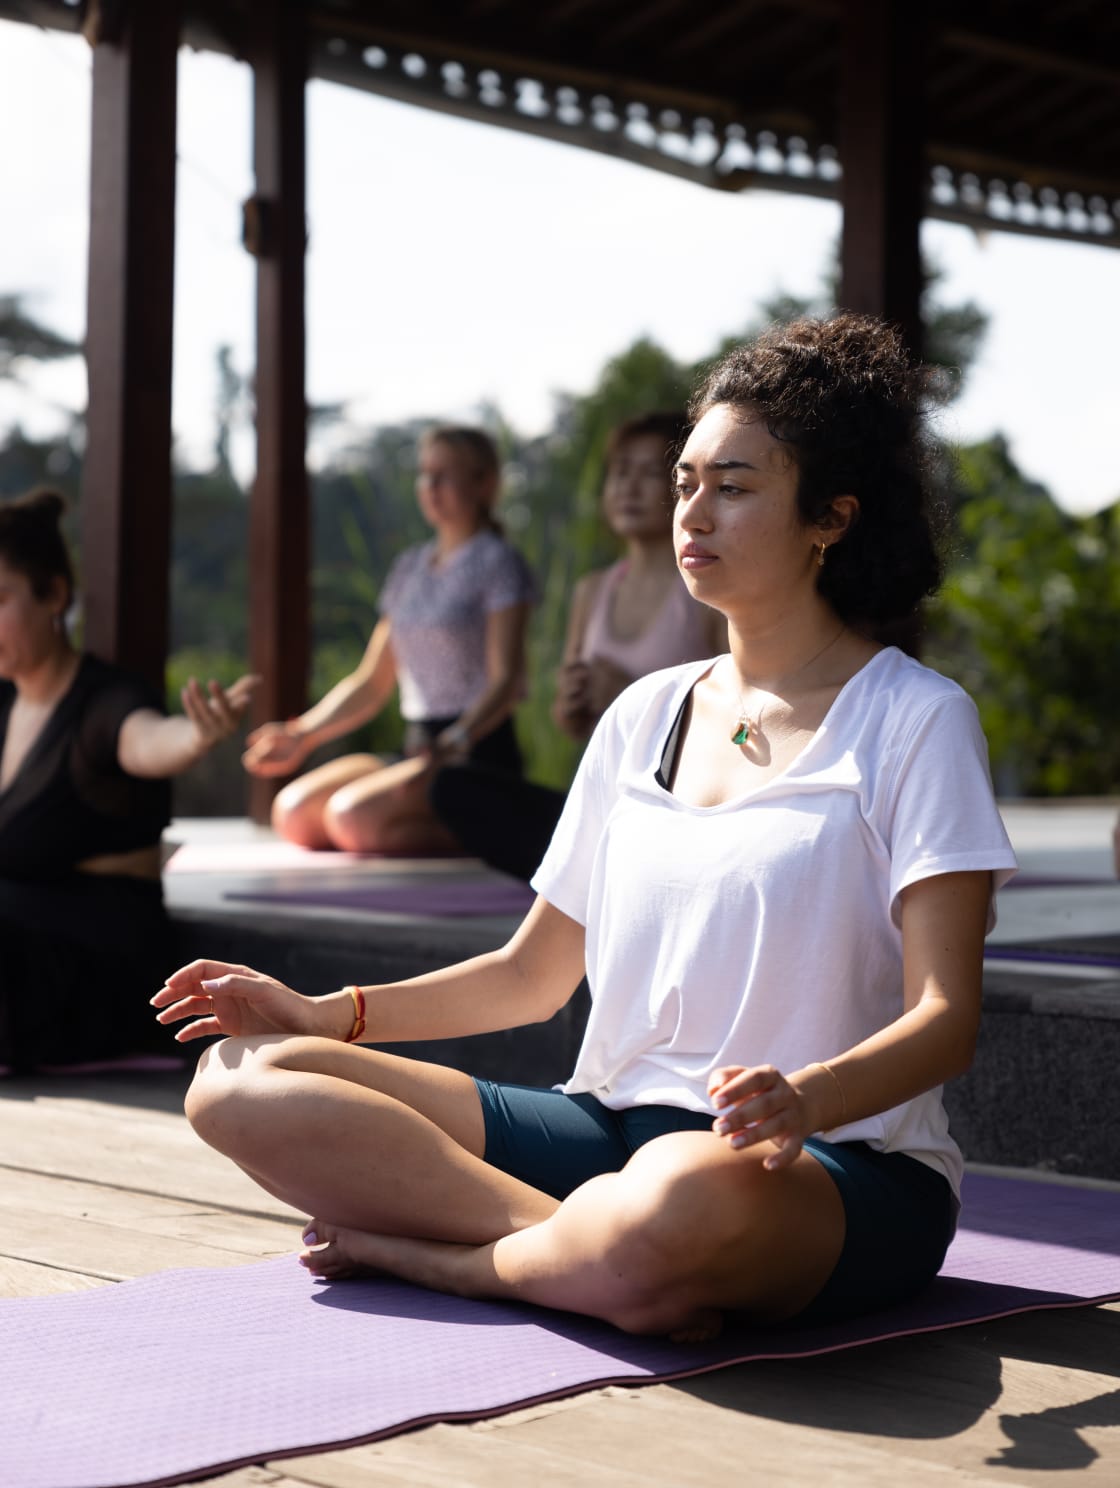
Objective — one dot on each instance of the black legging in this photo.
(506, 821)
(499, 749)
(79, 959)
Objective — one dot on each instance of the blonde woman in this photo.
(451, 637)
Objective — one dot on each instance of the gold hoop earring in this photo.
(820, 555)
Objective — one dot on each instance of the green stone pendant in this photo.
(742, 731)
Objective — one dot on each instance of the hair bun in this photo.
(44, 503)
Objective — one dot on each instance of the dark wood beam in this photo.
(639, 20)
(882, 191)
(989, 97)
(279, 526)
(648, 72)
(700, 36)
(126, 479)
(883, 158)
(216, 25)
(1023, 45)
(1097, 116)
(1037, 117)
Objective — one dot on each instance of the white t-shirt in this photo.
(766, 929)
(439, 613)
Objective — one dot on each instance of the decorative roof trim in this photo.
(721, 152)
(676, 133)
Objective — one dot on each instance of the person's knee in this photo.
(215, 1082)
(296, 820)
(349, 822)
(230, 1087)
(648, 1274)
(679, 1211)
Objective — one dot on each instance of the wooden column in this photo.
(882, 152)
(126, 479)
(275, 230)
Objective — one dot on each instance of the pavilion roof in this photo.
(1022, 97)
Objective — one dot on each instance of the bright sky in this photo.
(453, 262)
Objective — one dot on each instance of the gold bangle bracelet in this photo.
(820, 1064)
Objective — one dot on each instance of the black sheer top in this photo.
(70, 800)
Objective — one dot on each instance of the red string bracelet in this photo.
(359, 1014)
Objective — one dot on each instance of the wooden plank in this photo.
(109, 1251)
(1031, 1399)
(874, 1416)
(28, 1279)
(611, 1444)
(146, 1213)
(113, 1234)
(124, 1147)
(249, 1477)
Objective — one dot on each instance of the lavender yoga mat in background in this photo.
(424, 897)
(171, 1376)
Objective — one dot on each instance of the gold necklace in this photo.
(747, 727)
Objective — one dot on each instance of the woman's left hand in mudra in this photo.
(215, 711)
(759, 1105)
(220, 998)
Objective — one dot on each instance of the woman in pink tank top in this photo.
(636, 616)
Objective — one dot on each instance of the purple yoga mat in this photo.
(1056, 881)
(471, 897)
(1055, 955)
(186, 1373)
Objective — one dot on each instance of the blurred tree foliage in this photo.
(25, 339)
(952, 333)
(1026, 622)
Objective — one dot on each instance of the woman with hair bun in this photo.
(452, 637)
(776, 868)
(85, 759)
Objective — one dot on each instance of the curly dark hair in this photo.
(31, 540)
(851, 404)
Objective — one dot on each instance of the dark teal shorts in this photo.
(900, 1213)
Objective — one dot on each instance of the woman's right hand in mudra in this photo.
(274, 750)
(216, 997)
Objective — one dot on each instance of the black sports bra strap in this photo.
(664, 772)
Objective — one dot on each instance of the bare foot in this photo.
(335, 1253)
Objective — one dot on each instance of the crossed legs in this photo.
(386, 1153)
(361, 804)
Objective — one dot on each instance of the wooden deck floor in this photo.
(101, 1179)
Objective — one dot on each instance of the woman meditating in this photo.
(85, 760)
(636, 616)
(452, 637)
(776, 869)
